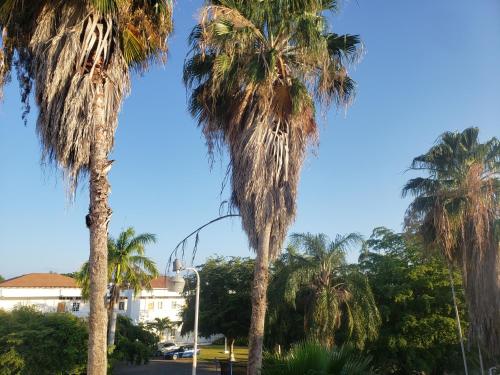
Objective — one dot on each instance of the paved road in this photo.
(164, 367)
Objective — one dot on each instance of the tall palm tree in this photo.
(257, 69)
(128, 268)
(78, 55)
(334, 293)
(457, 209)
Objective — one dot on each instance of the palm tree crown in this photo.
(67, 47)
(256, 69)
(128, 267)
(456, 208)
(335, 292)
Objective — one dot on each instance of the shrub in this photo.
(134, 344)
(35, 343)
(310, 358)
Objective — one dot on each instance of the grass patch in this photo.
(211, 352)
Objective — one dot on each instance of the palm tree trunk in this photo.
(99, 215)
(112, 324)
(259, 303)
(113, 314)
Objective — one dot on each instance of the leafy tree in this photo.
(333, 293)
(128, 268)
(456, 209)
(256, 70)
(44, 344)
(412, 291)
(1, 278)
(134, 343)
(312, 358)
(78, 55)
(225, 302)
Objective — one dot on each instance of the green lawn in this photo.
(211, 352)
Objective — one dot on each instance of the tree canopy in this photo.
(412, 292)
(225, 304)
(32, 342)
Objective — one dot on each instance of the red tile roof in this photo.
(40, 280)
(55, 280)
(161, 282)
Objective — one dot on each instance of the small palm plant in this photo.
(311, 358)
(78, 54)
(257, 70)
(334, 293)
(160, 325)
(456, 209)
(128, 268)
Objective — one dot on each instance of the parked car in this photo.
(164, 347)
(186, 351)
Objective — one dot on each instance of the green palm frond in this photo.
(339, 293)
(309, 357)
(455, 209)
(128, 267)
(256, 72)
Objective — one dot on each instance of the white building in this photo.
(51, 292)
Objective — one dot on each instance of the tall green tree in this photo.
(128, 268)
(225, 299)
(78, 55)
(257, 70)
(412, 290)
(333, 292)
(457, 210)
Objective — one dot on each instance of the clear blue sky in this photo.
(429, 66)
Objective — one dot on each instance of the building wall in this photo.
(143, 308)
(45, 299)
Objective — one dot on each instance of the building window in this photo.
(76, 306)
(160, 305)
(151, 306)
(121, 306)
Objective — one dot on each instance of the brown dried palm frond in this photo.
(256, 70)
(66, 48)
(458, 209)
(69, 55)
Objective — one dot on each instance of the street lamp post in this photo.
(177, 268)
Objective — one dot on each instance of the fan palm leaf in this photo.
(457, 209)
(77, 56)
(256, 71)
